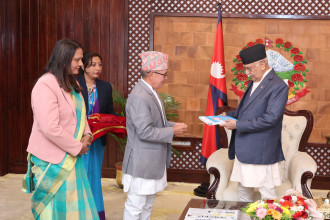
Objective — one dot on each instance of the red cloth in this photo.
(101, 124)
(217, 95)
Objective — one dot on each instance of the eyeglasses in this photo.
(163, 74)
(250, 68)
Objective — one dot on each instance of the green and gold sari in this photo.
(61, 191)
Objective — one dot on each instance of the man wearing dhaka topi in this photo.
(255, 143)
(149, 138)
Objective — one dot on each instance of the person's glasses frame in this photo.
(251, 68)
(163, 74)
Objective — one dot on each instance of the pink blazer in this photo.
(54, 121)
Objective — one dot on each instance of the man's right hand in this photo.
(180, 128)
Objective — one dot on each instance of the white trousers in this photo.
(138, 207)
(245, 194)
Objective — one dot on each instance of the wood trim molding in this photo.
(306, 176)
(187, 176)
(213, 188)
(224, 15)
(227, 15)
(126, 54)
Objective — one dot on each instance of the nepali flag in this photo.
(217, 95)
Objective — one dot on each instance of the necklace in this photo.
(90, 88)
(91, 97)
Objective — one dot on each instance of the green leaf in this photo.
(296, 88)
(292, 55)
(305, 80)
(307, 70)
(119, 102)
(286, 74)
(236, 71)
(300, 52)
(242, 87)
(296, 83)
(235, 59)
(232, 69)
(295, 62)
(304, 61)
(303, 73)
(236, 83)
(302, 84)
(171, 106)
(177, 153)
(234, 79)
(120, 141)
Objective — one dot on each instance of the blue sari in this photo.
(94, 158)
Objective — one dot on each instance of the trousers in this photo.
(245, 194)
(138, 207)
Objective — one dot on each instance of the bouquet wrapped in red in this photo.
(101, 124)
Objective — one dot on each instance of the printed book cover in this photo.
(211, 214)
(215, 120)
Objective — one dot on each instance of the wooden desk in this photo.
(214, 204)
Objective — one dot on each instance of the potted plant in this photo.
(171, 106)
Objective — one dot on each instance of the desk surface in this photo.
(216, 204)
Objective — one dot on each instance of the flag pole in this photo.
(217, 97)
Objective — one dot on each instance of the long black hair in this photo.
(59, 64)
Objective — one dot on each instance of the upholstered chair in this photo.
(297, 170)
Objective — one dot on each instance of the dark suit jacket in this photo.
(257, 138)
(104, 91)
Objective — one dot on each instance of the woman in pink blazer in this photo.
(60, 135)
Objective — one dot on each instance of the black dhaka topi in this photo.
(253, 54)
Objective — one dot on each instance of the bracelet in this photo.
(90, 135)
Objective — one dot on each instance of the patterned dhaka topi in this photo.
(154, 60)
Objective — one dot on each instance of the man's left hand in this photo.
(230, 124)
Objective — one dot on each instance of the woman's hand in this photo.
(86, 140)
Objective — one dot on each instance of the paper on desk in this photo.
(211, 214)
(215, 120)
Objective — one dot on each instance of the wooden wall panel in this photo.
(3, 88)
(14, 89)
(29, 31)
(51, 26)
(26, 75)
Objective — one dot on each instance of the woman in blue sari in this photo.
(60, 135)
(98, 99)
